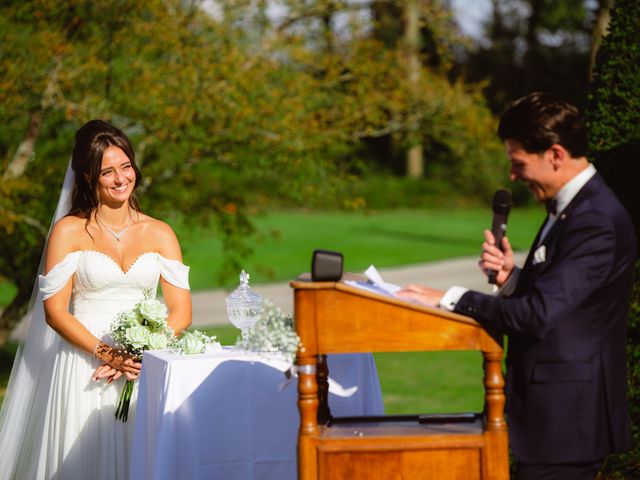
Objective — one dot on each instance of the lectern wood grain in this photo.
(337, 318)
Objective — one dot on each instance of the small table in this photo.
(228, 415)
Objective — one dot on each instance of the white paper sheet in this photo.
(375, 284)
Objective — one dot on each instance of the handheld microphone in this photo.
(501, 208)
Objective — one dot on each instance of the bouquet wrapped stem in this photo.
(122, 412)
(143, 327)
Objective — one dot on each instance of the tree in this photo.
(218, 106)
(600, 29)
(534, 45)
(613, 118)
(426, 35)
(614, 107)
(183, 85)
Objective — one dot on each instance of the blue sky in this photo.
(470, 14)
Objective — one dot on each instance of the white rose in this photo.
(191, 344)
(137, 337)
(130, 318)
(153, 311)
(213, 347)
(158, 341)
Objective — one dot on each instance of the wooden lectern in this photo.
(333, 317)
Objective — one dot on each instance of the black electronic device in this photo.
(326, 266)
(501, 209)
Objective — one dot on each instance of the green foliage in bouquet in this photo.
(273, 332)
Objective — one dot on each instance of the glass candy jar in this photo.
(243, 306)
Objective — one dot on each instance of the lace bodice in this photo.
(101, 289)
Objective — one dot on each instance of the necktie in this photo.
(551, 206)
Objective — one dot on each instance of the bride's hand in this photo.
(119, 359)
(107, 372)
(103, 371)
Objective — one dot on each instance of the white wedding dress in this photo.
(74, 434)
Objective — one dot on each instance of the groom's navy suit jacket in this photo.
(566, 325)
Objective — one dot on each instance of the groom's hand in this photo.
(497, 259)
(426, 295)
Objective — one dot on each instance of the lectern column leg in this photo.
(496, 438)
(308, 405)
(494, 391)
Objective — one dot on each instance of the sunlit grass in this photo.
(286, 240)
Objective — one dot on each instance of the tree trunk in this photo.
(25, 150)
(414, 160)
(530, 65)
(599, 31)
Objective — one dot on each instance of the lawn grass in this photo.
(431, 382)
(286, 240)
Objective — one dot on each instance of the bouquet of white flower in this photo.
(273, 332)
(194, 341)
(144, 327)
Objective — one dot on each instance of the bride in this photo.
(57, 419)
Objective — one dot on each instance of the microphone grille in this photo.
(502, 202)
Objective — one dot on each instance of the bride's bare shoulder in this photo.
(162, 234)
(70, 230)
(67, 235)
(69, 224)
(153, 226)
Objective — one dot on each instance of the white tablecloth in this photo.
(224, 415)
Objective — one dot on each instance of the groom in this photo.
(565, 312)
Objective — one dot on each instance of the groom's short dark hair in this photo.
(539, 120)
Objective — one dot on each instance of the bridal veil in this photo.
(23, 411)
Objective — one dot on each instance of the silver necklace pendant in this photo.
(116, 235)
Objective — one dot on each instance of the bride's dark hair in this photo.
(92, 139)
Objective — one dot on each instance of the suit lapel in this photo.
(587, 190)
(523, 280)
(535, 243)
